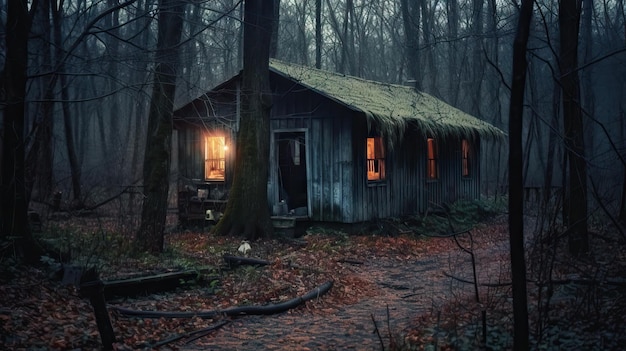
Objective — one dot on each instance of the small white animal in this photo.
(244, 248)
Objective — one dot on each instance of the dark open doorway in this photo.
(292, 171)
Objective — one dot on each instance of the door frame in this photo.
(273, 183)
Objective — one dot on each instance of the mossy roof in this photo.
(392, 107)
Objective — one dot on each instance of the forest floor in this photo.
(392, 290)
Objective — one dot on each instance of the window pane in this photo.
(215, 158)
(431, 165)
(465, 154)
(375, 159)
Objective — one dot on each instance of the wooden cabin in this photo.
(342, 149)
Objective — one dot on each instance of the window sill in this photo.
(375, 183)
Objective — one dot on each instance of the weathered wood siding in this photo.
(338, 189)
(219, 116)
(406, 189)
(401, 192)
(190, 155)
(451, 185)
(329, 130)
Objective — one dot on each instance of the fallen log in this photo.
(232, 311)
(148, 284)
(234, 261)
(190, 336)
(350, 261)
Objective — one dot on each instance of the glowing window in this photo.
(215, 158)
(375, 159)
(432, 167)
(466, 157)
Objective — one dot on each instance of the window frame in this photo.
(221, 161)
(432, 159)
(378, 162)
(467, 159)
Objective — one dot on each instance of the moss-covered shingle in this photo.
(390, 106)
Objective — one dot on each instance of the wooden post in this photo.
(92, 287)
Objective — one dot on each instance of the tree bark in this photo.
(274, 37)
(14, 206)
(410, 18)
(453, 33)
(156, 169)
(75, 169)
(569, 23)
(247, 211)
(318, 34)
(516, 199)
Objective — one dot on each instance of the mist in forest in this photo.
(90, 71)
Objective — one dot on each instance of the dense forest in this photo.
(91, 64)
(87, 85)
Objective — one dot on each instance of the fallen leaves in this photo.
(38, 313)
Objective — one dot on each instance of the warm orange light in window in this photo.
(375, 159)
(431, 167)
(215, 157)
(466, 158)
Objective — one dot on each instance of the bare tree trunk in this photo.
(348, 54)
(427, 18)
(587, 87)
(156, 169)
(453, 33)
(274, 37)
(516, 197)
(569, 21)
(303, 44)
(554, 131)
(14, 205)
(410, 18)
(318, 34)
(477, 71)
(622, 208)
(38, 176)
(247, 211)
(75, 170)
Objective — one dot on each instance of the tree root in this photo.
(233, 311)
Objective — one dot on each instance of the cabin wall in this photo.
(451, 185)
(338, 189)
(407, 190)
(191, 156)
(401, 193)
(329, 130)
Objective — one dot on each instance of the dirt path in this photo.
(408, 288)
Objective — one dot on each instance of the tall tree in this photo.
(14, 204)
(274, 37)
(453, 33)
(318, 34)
(569, 25)
(247, 211)
(75, 169)
(157, 157)
(516, 199)
(411, 19)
